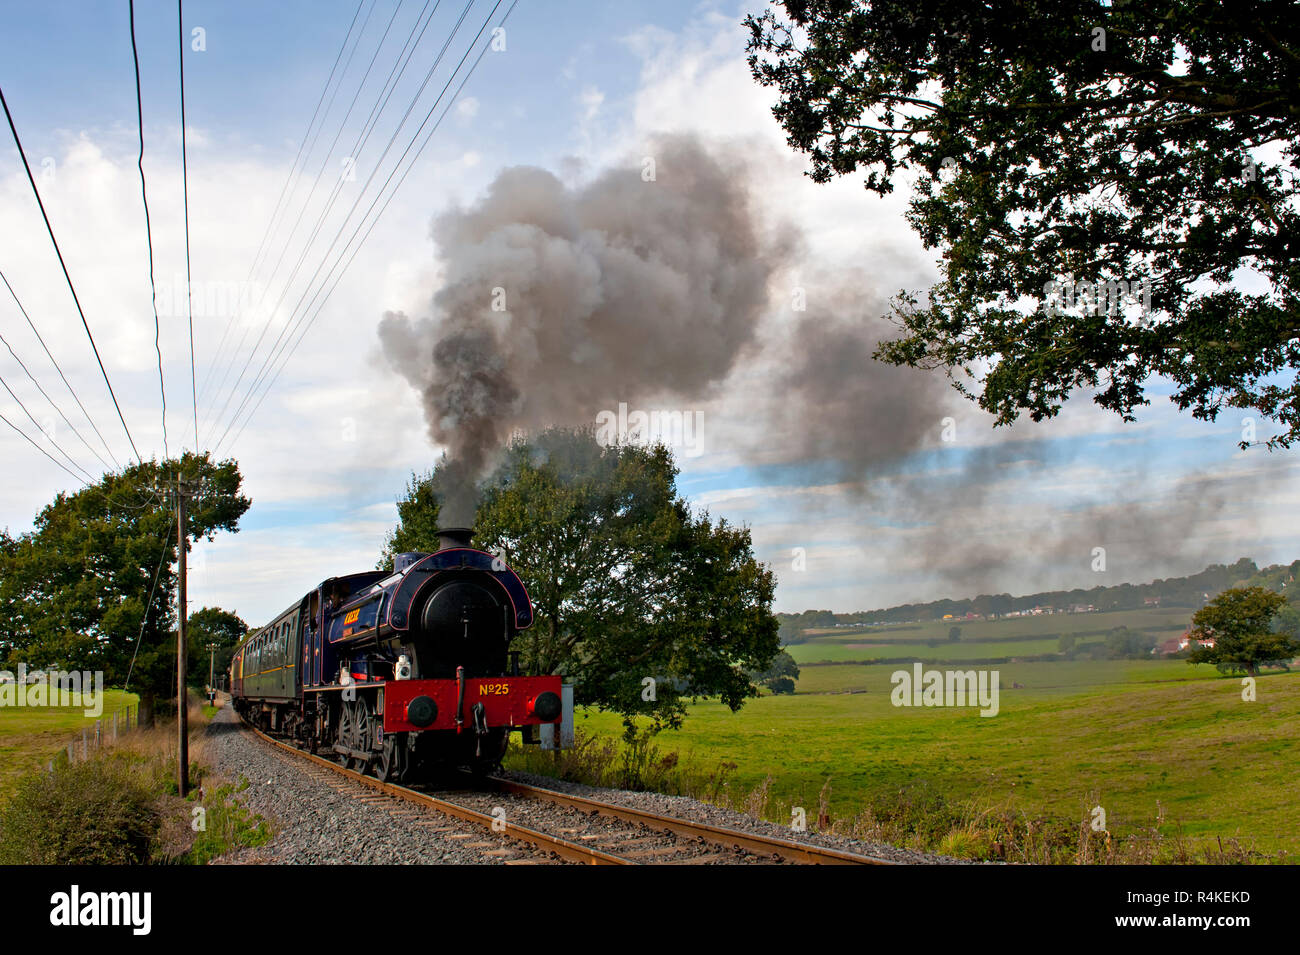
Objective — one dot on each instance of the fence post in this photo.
(99, 735)
(115, 726)
(84, 751)
(70, 757)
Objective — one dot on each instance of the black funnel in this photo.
(449, 537)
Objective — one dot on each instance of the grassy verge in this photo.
(1183, 769)
(31, 736)
(122, 806)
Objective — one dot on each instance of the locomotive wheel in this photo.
(347, 731)
(390, 764)
(364, 733)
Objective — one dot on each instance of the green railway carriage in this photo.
(265, 662)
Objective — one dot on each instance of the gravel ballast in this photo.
(322, 817)
(684, 807)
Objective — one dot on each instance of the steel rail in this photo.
(787, 849)
(571, 851)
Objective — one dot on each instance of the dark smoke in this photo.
(621, 290)
(627, 290)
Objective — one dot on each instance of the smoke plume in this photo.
(560, 302)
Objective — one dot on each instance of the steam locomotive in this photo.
(400, 673)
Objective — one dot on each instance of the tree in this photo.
(1080, 144)
(779, 677)
(1240, 622)
(1122, 643)
(91, 585)
(954, 634)
(212, 625)
(638, 600)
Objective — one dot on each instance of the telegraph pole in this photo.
(182, 711)
(212, 689)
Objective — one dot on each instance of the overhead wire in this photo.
(148, 228)
(286, 355)
(49, 228)
(79, 480)
(185, 184)
(144, 617)
(290, 325)
(72, 391)
(311, 146)
(217, 354)
(360, 142)
(362, 138)
(57, 409)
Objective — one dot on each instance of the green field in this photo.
(1160, 745)
(31, 736)
(980, 639)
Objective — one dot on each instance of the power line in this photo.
(59, 410)
(144, 617)
(39, 448)
(67, 384)
(212, 366)
(329, 150)
(30, 417)
(360, 142)
(310, 321)
(49, 228)
(278, 345)
(148, 230)
(185, 183)
(309, 148)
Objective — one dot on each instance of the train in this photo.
(401, 673)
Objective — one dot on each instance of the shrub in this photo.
(96, 812)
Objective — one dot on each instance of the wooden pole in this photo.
(182, 713)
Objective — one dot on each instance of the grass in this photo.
(1170, 751)
(1172, 620)
(121, 805)
(987, 640)
(31, 736)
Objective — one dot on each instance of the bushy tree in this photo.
(1241, 623)
(91, 585)
(1075, 142)
(628, 584)
(779, 677)
(1125, 644)
(212, 625)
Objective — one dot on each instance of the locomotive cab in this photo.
(405, 669)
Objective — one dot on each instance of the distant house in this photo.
(1172, 645)
(1186, 641)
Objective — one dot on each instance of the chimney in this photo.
(449, 537)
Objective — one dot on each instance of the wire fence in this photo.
(103, 732)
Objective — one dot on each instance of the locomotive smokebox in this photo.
(449, 537)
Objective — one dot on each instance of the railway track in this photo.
(578, 829)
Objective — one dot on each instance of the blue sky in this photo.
(578, 88)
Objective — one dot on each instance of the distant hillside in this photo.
(1193, 591)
